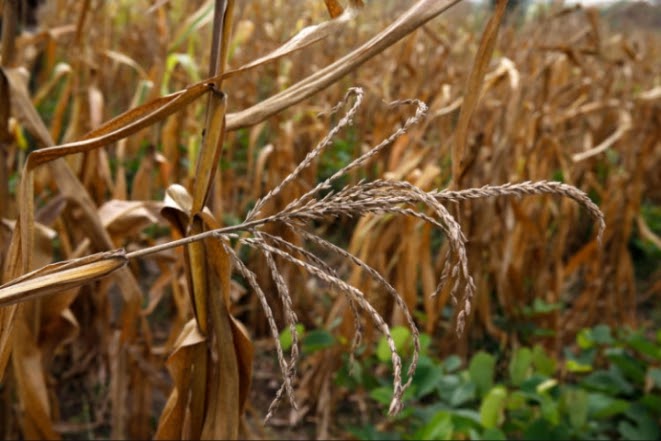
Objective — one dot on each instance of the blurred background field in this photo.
(564, 338)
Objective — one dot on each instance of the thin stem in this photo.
(216, 60)
(200, 236)
(9, 25)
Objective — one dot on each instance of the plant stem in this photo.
(197, 237)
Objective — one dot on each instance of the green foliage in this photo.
(311, 341)
(610, 388)
(646, 254)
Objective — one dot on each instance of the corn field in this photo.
(184, 181)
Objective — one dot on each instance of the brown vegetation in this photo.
(433, 181)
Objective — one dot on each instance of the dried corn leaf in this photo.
(21, 105)
(473, 87)
(416, 16)
(31, 382)
(197, 272)
(121, 126)
(175, 418)
(126, 60)
(304, 38)
(61, 276)
(207, 162)
(128, 217)
(224, 408)
(177, 207)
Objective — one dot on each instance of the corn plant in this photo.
(66, 178)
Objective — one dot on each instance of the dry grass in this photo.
(120, 239)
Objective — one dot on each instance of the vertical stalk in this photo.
(473, 87)
(9, 27)
(216, 62)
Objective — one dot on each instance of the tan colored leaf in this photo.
(142, 182)
(223, 411)
(121, 126)
(96, 105)
(245, 353)
(174, 422)
(177, 207)
(625, 124)
(36, 419)
(126, 60)
(212, 145)
(473, 88)
(650, 95)
(61, 276)
(7, 317)
(128, 217)
(57, 330)
(304, 38)
(166, 277)
(22, 107)
(197, 272)
(416, 16)
(62, 70)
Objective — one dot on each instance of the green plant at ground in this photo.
(609, 387)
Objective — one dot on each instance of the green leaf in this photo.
(286, 337)
(644, 346)
(516, 400)
(601, 406)
(440, 427)
(655, 375)
(632, 432)
(481, 370)
(492, 407)
(631, 367)
(546, 385)
(447, 384)
(369, 433)
(452, 363)
(601, 334)
(577, 367)
(540, 306)
(316, 340)
(185, 61)
(494, 434)
(541, 429)
(400, 335)
(550, 409)
(642, 425)
(652, 402)
(382, 395)
(611, 382)
(520, 366)
(533, 383)
(584, 339)
(462, 395)
(575, 402)
(464, 418)
(543, 364)
(427, 377)
(585, 356)
(425, 341)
